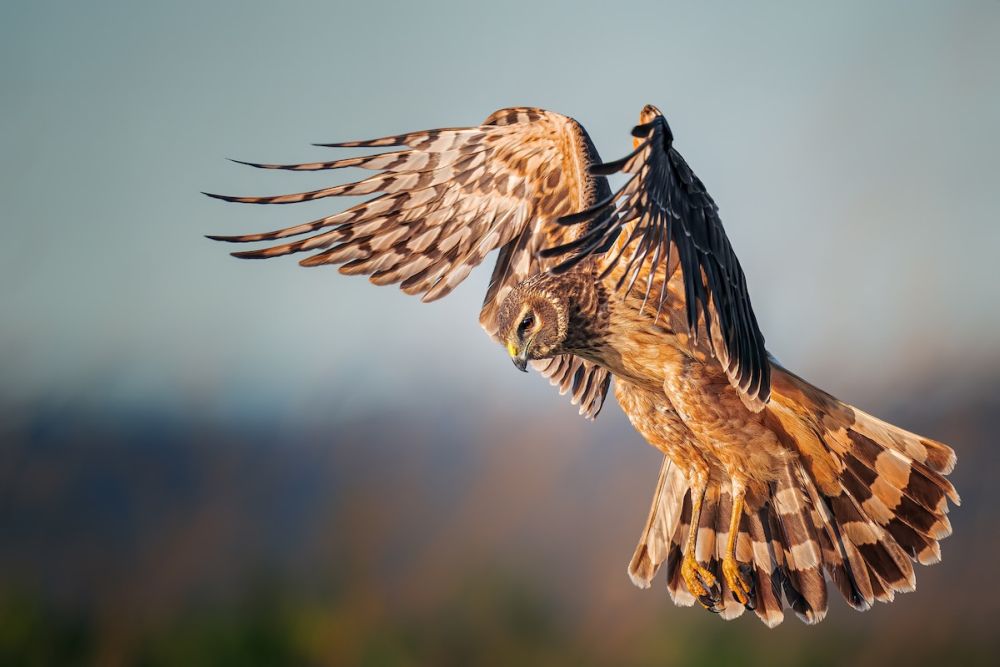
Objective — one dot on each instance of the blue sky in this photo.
(852, 149)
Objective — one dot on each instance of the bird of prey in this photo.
(769, 487)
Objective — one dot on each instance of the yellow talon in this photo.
(734, 579)
(698, 579)
(730, 567)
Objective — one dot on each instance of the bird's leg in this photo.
(699, 580)
(730, 567)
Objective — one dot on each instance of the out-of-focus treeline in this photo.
(472, 535)
(211, 462)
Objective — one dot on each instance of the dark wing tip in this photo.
(640, 131)
(615, 166)
(576, 218)
(355, 144)
(566, 265)
(257, 165)
(226, 238)
(588, 213)
(222, 197)
(250, 254)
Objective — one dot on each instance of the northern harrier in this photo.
(769, 486)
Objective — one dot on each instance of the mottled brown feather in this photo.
(445, 201)
(830, 491)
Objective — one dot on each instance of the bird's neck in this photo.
(588, 313)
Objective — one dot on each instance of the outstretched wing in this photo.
(667, 219)
(586, 382)
(446, 199)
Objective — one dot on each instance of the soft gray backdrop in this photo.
(851, 147)
(182, 432)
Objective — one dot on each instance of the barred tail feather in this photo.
(767, 574)
(804, 585)
(675, 584)
(877, 495)
(656, 542)
(728, 607)
(862, 503)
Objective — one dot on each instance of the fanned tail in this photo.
(861, 503)
(878, 493)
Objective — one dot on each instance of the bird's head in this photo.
(534, 319)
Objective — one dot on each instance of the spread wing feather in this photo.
(444, 201)
(669, 220)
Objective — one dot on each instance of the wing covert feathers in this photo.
(444, 199)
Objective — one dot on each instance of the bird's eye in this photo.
(525, 324)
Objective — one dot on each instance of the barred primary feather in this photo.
(445, 200)
(665, 211)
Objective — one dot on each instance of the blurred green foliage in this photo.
(136, 540)
(33, 635)
(492, 620)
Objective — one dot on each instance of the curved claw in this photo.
(702, 584)
(738, 581)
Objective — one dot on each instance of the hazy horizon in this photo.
(213, 461)
(851, 149)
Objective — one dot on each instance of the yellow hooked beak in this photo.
(520, 358)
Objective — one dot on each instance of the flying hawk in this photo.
(769, 487)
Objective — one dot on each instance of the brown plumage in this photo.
(769, 487)
(448, 198)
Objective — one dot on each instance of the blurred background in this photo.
(210, 462)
